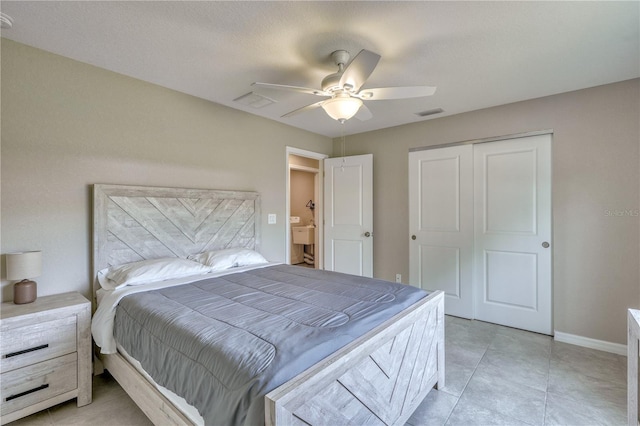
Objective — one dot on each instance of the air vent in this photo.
(429, 112)
(254, 100)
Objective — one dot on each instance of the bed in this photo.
(379, 377)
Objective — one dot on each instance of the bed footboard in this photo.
(380, 378)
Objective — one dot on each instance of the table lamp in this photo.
(22, 266)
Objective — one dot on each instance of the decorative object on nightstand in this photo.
(22, 266)
(45, 357)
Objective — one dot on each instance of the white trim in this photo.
(305, 153)
(303, 168)
(484, 140)
(587, 342)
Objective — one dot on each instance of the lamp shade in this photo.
(342, 108)
(23, 265)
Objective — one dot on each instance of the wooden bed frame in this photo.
(380, 378)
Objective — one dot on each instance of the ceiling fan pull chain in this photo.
(343, 144)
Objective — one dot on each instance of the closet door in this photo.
(512, 210)
(441, 224)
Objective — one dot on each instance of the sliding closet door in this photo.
(441, 224)
(512, 211)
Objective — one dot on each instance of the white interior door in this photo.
(441, 223)
(512, 213)
(348, 192)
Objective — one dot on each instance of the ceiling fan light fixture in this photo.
(6, 21)
(341, 108)
(343, 88)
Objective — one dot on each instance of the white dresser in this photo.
(45, 354)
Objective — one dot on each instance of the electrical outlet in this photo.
(398, 278)
(271, 219)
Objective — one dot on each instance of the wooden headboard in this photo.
(132, 223)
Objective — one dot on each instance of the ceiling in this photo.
(478, 54)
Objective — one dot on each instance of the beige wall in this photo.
(302, 186)
(596, 143)
(67, 125)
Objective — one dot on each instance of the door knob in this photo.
(545, 244)
(413, 237)
(367, 234)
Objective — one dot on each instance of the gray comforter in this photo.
(223, 343)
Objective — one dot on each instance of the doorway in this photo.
(304, 207)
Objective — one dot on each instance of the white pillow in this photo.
(151, 270)
(219, 260)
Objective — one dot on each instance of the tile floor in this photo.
(502, 376)
(494, 376)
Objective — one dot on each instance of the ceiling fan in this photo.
(344, 88)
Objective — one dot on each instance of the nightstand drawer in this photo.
(29, 385)
(22, 346)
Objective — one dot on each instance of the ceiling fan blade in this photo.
(303, 109)
(364, 113)
(292, 88)
(384, 93)
(359, 69)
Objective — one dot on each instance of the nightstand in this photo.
(45, 354)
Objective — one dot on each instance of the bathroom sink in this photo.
(303, 234)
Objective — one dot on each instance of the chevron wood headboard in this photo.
(132, 223)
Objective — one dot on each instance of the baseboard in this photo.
(615, 348)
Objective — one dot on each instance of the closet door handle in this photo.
(367, 234)
(413, 237)
(545, 244)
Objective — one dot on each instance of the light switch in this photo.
(271, 219)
